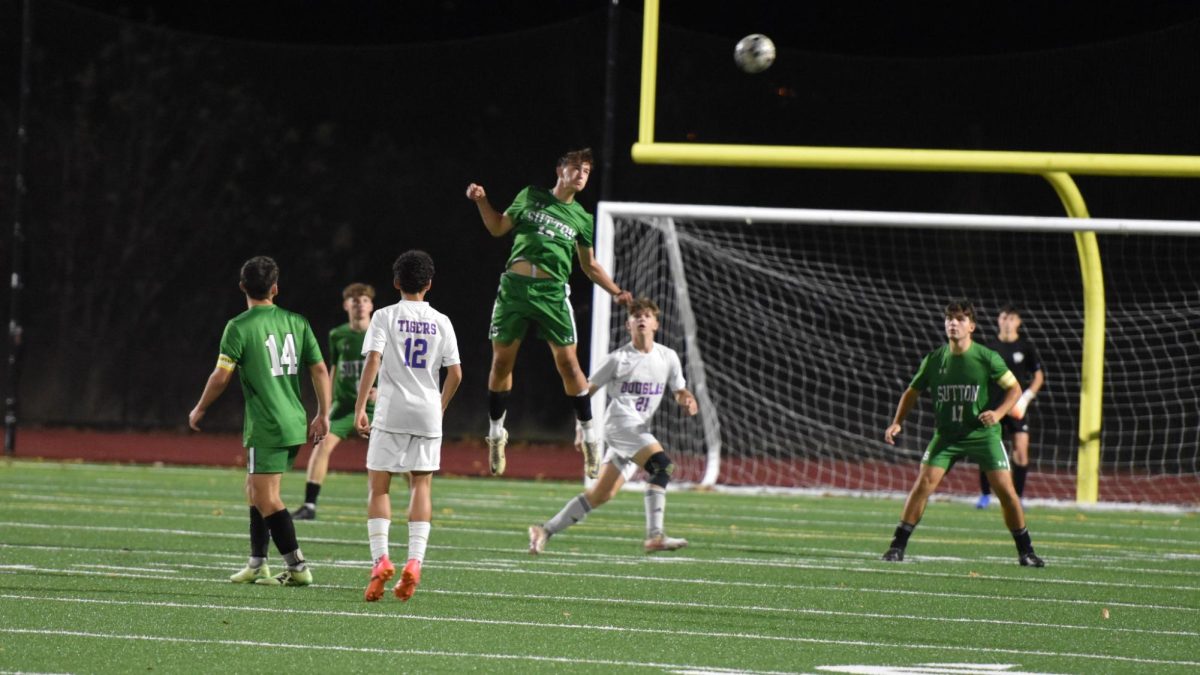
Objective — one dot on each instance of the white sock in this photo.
(496, 427)
(656, 504)
(573, 512)
(377, 534)
(418, 538)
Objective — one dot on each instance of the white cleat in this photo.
(590, 447)
(537, 539)
(664, 543)
(496, 445)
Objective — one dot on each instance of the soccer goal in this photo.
(799, 329)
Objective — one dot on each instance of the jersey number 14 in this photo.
(285, 359)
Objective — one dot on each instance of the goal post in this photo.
(799, 329)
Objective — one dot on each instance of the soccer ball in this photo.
(754, 53)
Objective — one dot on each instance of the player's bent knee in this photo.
(660, 467)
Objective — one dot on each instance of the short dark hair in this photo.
(258, 275)
(413, 270)
(644, 304)
(1010, 308)
(582, 156)
(356, 289)
(960, 306)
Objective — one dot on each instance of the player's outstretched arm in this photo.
(217, 381)
(319, 426)
(450, 384)
(498, 224)
(594, 271)
(685, 399)
(362, 423)
(907, 400)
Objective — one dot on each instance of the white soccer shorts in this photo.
(620, 445)
(402, 453)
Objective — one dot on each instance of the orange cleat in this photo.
(408, 580)
(380, 574)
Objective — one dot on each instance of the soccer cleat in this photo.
(250, 575)
(983, 502)
(894, 554)
(663, 543)
(288, 578)
(537, 539)
(590, 448)
(496, 445)
(305, 512)
(380, 574)
(1031, 559)
(409, 578)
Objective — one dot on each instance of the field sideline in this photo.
(116, 568)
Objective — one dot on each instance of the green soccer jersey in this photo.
(959, 385)
(546, 231)
(346, 364)
(271, 348)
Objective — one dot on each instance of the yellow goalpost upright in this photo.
(1056, 167)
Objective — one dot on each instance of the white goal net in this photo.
(799, 330)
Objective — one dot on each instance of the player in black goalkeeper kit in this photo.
(1022, 359)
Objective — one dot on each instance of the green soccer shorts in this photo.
(270, 460)
(341, 419)
(521, 300)
(988, 452)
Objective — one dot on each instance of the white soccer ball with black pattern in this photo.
(754, 53)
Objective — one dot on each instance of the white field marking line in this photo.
(787, 515)
(675, 559)
(795, 610)
(815, 495)
(592, 627)
(476, 567)
(380, 650)
(61, 505)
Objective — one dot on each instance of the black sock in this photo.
(283, 531)
(311, 490)
(583, 407)
(497, 404)
(259, 534)
(985, 488)
(900, 536)
(1019, 472)
(1024, 543)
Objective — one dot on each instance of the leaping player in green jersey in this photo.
(548, 226)
(346, 364)
(268, 345)
(965, 425)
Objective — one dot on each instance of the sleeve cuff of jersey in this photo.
(1007, 380)
(226, 363)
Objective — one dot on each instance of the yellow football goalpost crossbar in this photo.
(1055, 167)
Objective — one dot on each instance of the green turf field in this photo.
(124, 569)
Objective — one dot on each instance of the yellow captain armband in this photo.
(226, 363)
(1007, 380)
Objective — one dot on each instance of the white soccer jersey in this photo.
(635, 383)
(416, 342)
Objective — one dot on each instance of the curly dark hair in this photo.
(413, 270)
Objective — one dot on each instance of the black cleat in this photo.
(1031, 559)
(895, 554)
(305, 512)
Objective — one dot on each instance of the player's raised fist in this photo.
(475, 192)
